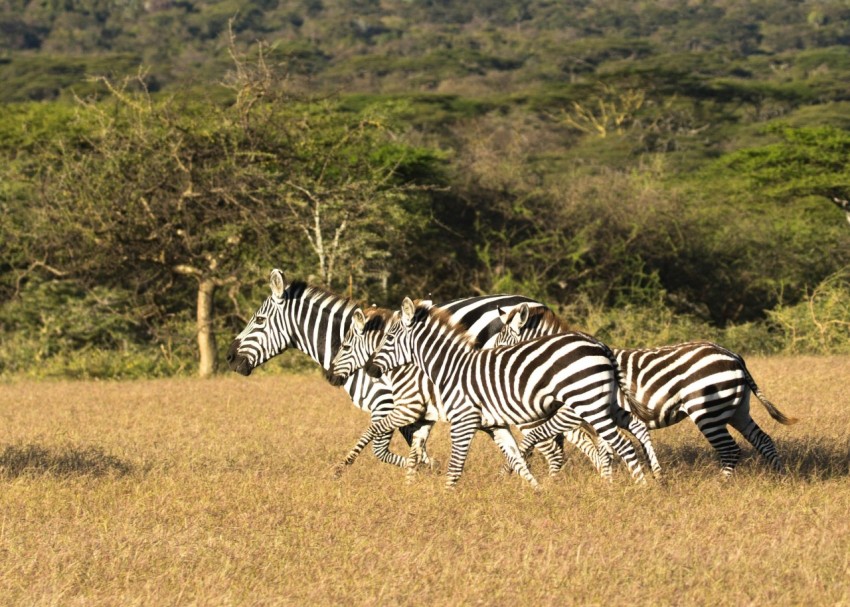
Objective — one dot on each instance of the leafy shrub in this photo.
(819, 324)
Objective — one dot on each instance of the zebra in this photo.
(700, 380)
(315, 321)
(491, 388)
(366, 332)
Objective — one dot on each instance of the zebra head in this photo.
(395, 349)
(528, 321)
(514, 321)
(266, 334)
(362, 340)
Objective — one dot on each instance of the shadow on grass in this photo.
(810, 459)
(816, 459)
(30, 460)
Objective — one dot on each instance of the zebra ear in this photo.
(277, 282)
(503, 314)
(408, 309)
(358, 321)
(518, 318)
(523, 315)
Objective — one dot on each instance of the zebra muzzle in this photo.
(335, 379)
(238, 362)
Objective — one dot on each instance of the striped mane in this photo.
(299, 289)
(541, 318)
(296, 289)
(443, 318)
(377, 319)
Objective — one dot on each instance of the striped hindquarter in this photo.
(698, 380)
(566, 378)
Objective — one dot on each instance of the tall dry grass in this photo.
(189, 492)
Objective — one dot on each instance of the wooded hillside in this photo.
(658, 171)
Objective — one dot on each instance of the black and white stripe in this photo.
(700, 380)
(313, 321)
(310, 319)
(563, 380)
(416, 398)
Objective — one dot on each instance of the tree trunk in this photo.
(206, 336)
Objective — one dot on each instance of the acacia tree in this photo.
(156, 191)
(159, 191)
(810, 161)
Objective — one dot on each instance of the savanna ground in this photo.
(220, 492)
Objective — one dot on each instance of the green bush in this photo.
(819, 324)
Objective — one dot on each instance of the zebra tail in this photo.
(640, 410)
(771, 408)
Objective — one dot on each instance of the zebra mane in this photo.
(377, 318)
(296, 289)
(540, 317)
(425, 311)
(299, 289)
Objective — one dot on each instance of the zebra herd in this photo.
(491, 362)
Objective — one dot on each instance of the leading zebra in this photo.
(700, 380)
(565, 380)
(314, 321)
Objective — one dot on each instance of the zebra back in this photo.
(643, 369)
(526, 323)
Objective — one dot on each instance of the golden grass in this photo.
(190, 492)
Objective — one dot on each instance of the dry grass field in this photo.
(190, 492)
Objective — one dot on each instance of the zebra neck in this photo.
(443, 354)
(319, 321)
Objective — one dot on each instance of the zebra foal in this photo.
(699, 380)
(561, 381)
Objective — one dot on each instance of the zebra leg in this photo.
(566, 420)
(638, 429)
(598, 415)
(605, 454)
(608, 432)
(552, 449)
(758, 438)
(581, 439)
(505, 440)
(416, 435)
(380, 447)
(715, 432)
(718, 436)
(381, 430)
(461, 432)
(417, 450)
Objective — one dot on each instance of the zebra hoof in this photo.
(337, 471)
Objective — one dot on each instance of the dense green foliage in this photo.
(660, 171)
